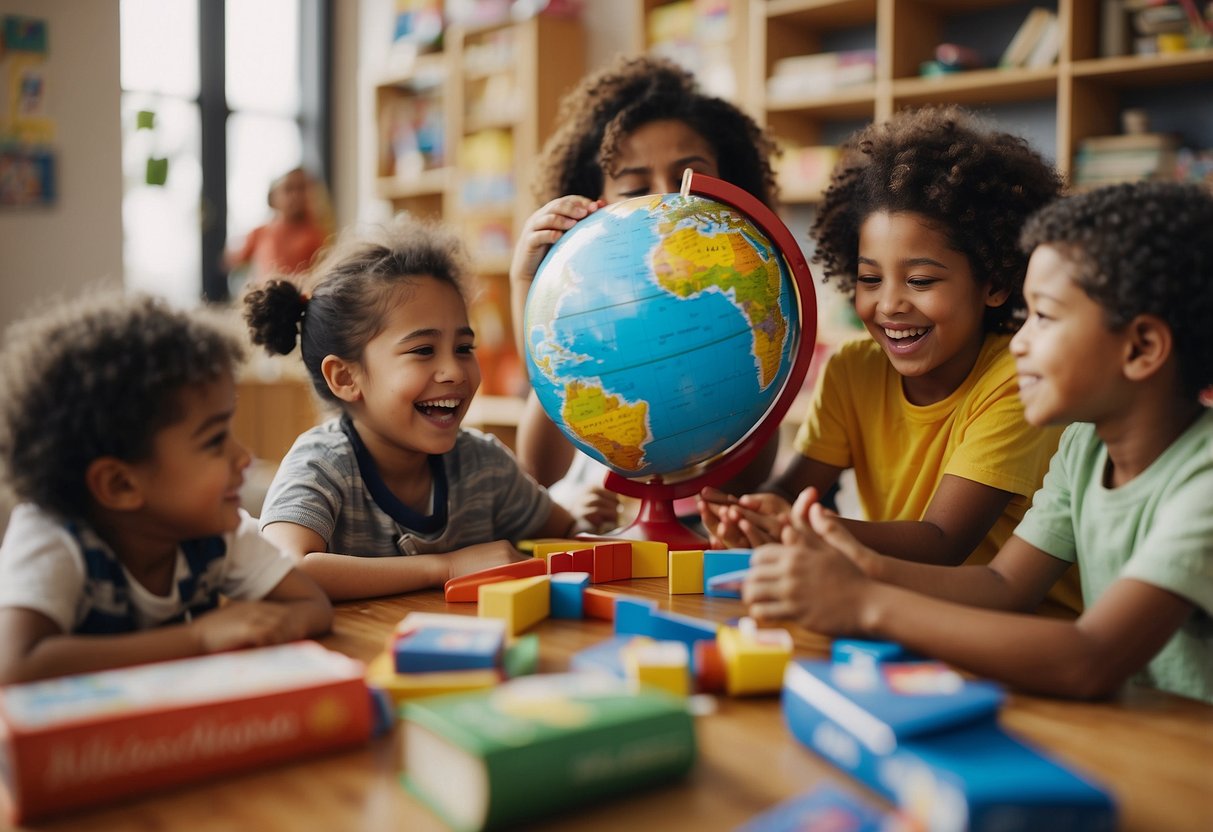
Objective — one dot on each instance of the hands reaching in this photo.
(596, 510)
(240, 624)
(543, 228)
(743, 522)
(481, 556)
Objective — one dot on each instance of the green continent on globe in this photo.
(687, 263)
(613, 427)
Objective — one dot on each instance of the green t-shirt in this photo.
(1157, 529)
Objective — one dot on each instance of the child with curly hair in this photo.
(920, 227)
(117, 439)
(1117, 344)
(392, 495)
(628, 130)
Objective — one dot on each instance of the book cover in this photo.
(882, 704)
(448, 648)
(82, 740)
(533, 746)
(1026, 37)
(973, 776)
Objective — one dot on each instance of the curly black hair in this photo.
(978, 185)
(354, 286)
(612, 103)
(1142, 249)
(98, 377)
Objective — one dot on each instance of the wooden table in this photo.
(1154, 751)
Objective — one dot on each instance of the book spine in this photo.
(84, 764)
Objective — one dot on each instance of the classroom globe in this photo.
(659, 331)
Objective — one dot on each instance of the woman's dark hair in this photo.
(976, 184)
(1142, 249)
(354, 287)
(629, 93)
(98, 377)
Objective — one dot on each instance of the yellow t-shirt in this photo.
(861, 419)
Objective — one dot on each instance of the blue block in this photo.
(718, 562)
(603, 657)
(448, 648)
(847, 650)
(727, 584)
(567, 599)
(632, 617)
(671, 626)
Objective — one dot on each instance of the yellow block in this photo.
(660, 664)
(754, 660)
(521, 603)
(545, 547)
(686, 572)
(649, 559)
(381, 673)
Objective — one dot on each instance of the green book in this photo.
(538, 744)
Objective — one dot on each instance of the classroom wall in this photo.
(78, 240)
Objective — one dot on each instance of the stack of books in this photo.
(820, 74)
(1036, 43)
(1132, 157)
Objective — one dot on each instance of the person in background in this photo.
(629, 130)
(920, 226)
(117, 439)
(1118, 345)
(392, 495)
(287, 244)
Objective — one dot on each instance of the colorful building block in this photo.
(401, 686)
(851, 650)
(650, 559)
(661, 664)
(465, 588)
(568, 590)
(603, 657)
(719, 561)
(560, 562)
(686, 572)
(521, 656)
(598, 603)
(754, 659)
(620, 554)
(708, 667)
(583, 561)
(430, 649)
(542, 548)
(726, 584)
(671, 626)
(521, 604)
(604, 563)
(633, 616)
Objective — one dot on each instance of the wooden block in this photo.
(672, 626)
(620, 556)
(754, 659)
(598, 603)
(662, 664)
(709, 669)
(466, 588)
(560, 562)
(521, 603)
(719, 561)
(686, 572)
(633, 616)
(650, 559)
(603, 571)
(568, 589)
(583, 560)
(542, 548)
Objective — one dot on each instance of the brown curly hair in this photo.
(1142, 249)
(98, 377)
(977, 184)
(629, 93)
(355, 285)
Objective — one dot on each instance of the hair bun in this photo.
(273, 314)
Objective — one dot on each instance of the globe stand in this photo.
(656, 519)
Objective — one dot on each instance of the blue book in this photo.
(825, 808)
(428, 649)
(966, 775)
(882, 704)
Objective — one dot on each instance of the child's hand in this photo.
(596, 510)
(742, 522)
(247, 624)
(543, 228)
(481, 556)
(811, 577)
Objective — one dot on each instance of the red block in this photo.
(602, 571)
(560, 562)
(710, 671)
(465, 587)
(598, 603)
(621, 559)
(583, 560)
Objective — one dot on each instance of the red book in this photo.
(82, 740)
(467, 587)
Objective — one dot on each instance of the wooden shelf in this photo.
(1148, 70)
(428, 183)
(849, 103)
(826, 14)
(979, 86)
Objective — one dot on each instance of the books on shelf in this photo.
(1131, 157)
(947, 768)
(1033, 34)
(819, 74)
(82, 740)
(533, 746)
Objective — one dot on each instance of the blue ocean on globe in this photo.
(659, 331)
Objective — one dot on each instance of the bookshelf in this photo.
(459, 131)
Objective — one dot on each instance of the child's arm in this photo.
(543, 451)
(1089, 657)
(347, 577)
(754, 519)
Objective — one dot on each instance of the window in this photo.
(231, 95)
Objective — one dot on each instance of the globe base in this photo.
(657, 521)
